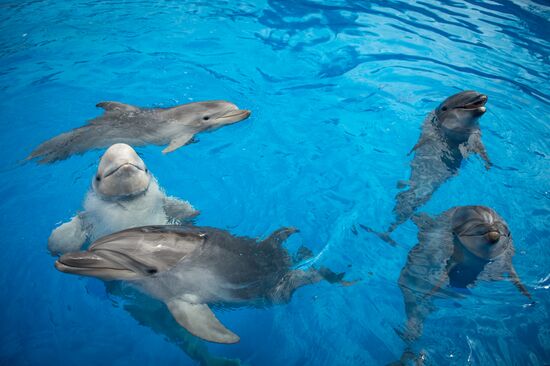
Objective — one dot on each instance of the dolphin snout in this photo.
(93, 265)
(477, 102)
(82, 261)
(232, 115)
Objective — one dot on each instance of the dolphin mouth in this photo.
(233, 116)
(86, 260)
(93, 265)
(113, 171)
(478, 104)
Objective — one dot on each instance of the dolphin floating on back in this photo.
(137, 126)
(190, 267)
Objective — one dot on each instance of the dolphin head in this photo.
(209, 115)
(121, 172)
(481, 231)
(132, 254)
(458, 115)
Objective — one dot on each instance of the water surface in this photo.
(338, 91)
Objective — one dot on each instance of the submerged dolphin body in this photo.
(137, 126)
(190, 267)
(449, 134)
(457, 248)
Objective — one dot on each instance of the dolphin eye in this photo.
(97, 178)
(206, 118)
(443, 109)
(146, 170)
(151, 271)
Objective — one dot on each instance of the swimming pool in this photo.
(338, 92)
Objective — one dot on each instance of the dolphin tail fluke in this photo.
(335, 278)
(299, 278)
(61, 147)
(385, 236)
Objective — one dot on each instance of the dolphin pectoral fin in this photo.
(68, 237)
(464, 151)
(476, 146)
(117, 106)
(517, 282)
(178, 142)
(179, 211)
(200, 321)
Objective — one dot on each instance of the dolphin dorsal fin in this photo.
(278, 237)
(200, 321)
(117, 107)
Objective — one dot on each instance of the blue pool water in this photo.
(338, 90)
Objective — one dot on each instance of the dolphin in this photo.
(190, 268)
(449, 134)
(175, 126)
(457, 248)
(123, 194)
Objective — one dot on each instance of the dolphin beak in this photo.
(477, 104)
(93, 265)
(233, 116)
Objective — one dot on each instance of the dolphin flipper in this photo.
(117, 106)
(179, 211)
(200, 321)
(517, 282)
(178, 142)
(475, 145)
(68, 237)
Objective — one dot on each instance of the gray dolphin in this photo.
(449, 134)
(190, 267)
(137, 126)
(457, 248)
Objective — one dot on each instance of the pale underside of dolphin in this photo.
(190, 268)
(124, 123)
